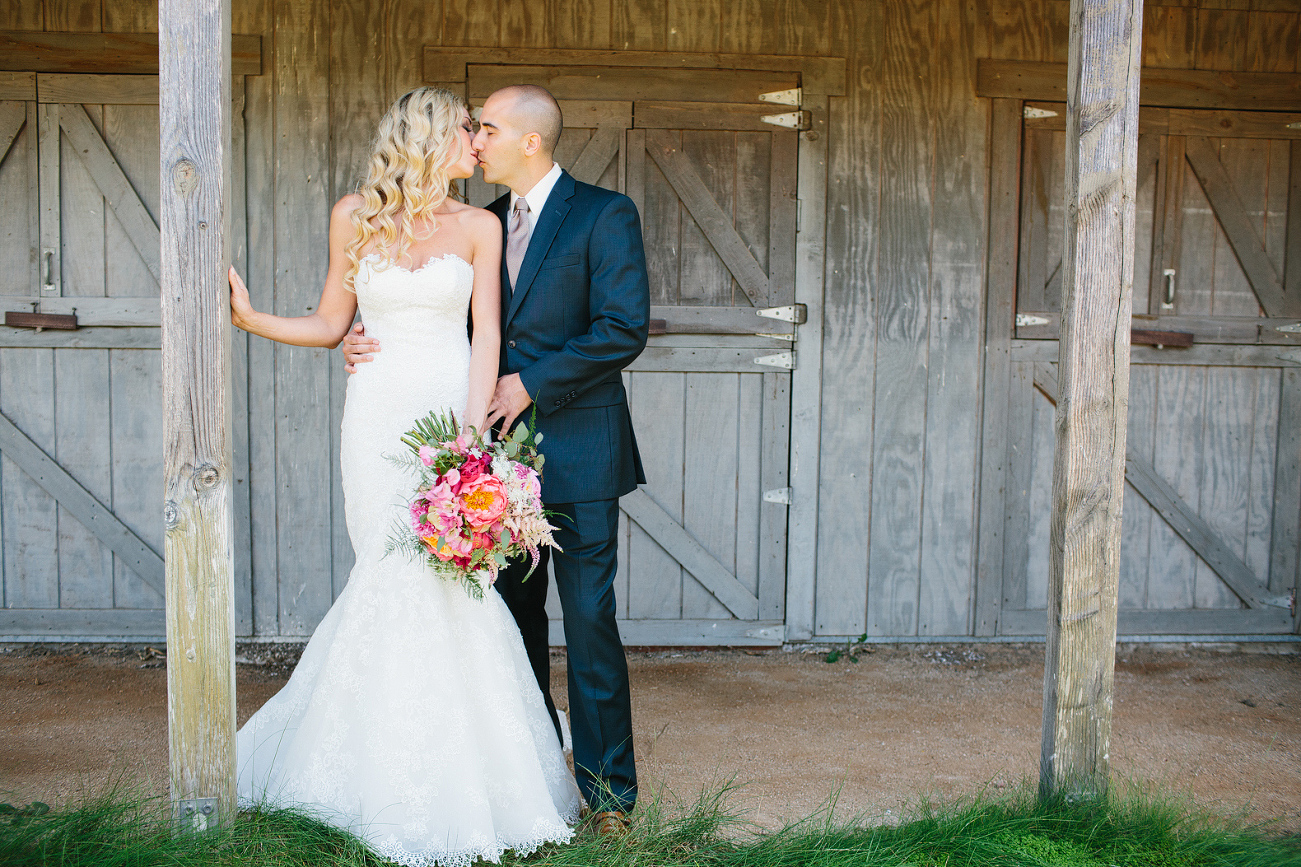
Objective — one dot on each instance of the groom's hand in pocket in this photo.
(509, 399)
(358, 348)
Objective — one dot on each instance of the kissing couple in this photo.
(420, 717)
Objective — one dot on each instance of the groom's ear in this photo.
(532, 144)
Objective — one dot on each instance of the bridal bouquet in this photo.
(477, 503)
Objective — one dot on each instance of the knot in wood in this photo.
(171, 515)
(206, 476)
(185, 177)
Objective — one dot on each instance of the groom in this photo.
(575, 312)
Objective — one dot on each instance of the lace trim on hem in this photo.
(492, 852)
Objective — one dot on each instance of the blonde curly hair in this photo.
(407, 176)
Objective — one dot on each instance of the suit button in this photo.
(511, 344)
(558, 403)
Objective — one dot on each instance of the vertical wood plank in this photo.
(634, 162)
(194, 153)
(72, 15)
(1040, 502)
(1169, 36)
(254, 16)
(471, 23)
(704, 278)
(1020, 482)
(1000, 294)
(1292, 255)
(1178, 431)
(51, 265)
(1246, 161)
(239, 372)
(811, 281)
(582, 23)
(131, 132)
(19, 204)
(304, 459)
(1199, 236)
(1136, 520)
(709, 502)
(693, 25)
(954, 329)
(137, 442)
(903, 296)
(1285, 535)
(1221, 39)
(638, 25)
(524, 24)
(36, 119)
(82, 447)
(1226, 464)
(22, 16)
(776, 409)
(662, 231)
(749, 470)
(1093, 376)
(82, 211)
(655, 579)
(130, 16)
(1260, 469)
(31, 559)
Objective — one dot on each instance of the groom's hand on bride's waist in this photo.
(358, 348)
(509, 399)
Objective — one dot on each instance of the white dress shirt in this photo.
(537, 197)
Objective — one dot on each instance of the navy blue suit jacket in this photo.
(577, 317)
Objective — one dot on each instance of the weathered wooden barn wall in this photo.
(906, 209)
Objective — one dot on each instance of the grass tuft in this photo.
(1016, 829)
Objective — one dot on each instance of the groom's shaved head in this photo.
(534, 109)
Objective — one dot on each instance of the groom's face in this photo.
(499, 143)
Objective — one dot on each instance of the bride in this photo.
(414, 718)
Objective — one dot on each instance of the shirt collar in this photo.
(537, 197)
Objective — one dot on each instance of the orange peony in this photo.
(483, 501)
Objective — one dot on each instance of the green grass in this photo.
(1016, 830)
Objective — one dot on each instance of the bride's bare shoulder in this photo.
(345, 206)
(475, 220)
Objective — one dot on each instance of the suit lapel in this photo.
(553, 214)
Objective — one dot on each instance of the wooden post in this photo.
(194, 114)
(1093, 361)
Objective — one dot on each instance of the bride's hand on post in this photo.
(358, 348)
(241, 308)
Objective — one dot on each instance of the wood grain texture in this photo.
(1000, 306)
(657, 403)
(195, 125)
(97, 89)
(83, 506)
(1177, 88)
(82, 446)
(136, 429)
(113, 184)
(30, 514)
(19, 201)
(304, 459)
(104, 53)
(711, 502)
(1089, 463)
(955, 332)
(806, 381)
(903, 300)
(1238, 228)
(1285, 535)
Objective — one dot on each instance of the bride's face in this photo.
(462, 164)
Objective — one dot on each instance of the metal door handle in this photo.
(49, 267)
(1168, 299)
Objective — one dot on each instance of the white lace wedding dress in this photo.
(413, 718)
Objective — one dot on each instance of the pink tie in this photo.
(517, 239)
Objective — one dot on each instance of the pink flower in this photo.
(475, 467)
(483, 501)
(427, 455)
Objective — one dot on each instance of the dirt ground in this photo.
(901, 724)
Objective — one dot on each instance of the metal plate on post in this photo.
(783, 97)
(797, 313)
(197, 814)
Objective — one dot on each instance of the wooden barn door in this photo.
(81, 447)
(1210, 534)
(703, 543)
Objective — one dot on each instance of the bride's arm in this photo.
(485, 312)
(327, 325)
